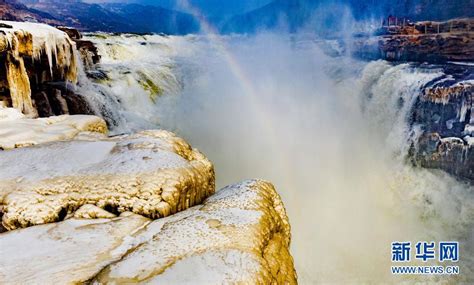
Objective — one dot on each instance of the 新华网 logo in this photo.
(441, 252)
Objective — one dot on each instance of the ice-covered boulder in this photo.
(239, 235)
(151, 173)
(69, 252)
(18, 131)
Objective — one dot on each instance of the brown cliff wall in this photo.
(434, 42)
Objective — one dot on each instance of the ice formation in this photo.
(152, 173)
(240, 235)
(19, 131)
(32, 42)
(70, 252)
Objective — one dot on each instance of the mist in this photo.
(331, 136)
(330, 132)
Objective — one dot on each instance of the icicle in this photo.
(36, 41)
(18, 81)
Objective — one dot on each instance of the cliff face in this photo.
(433, 42)
(445, 113)
(444, 108)
(40, 70)
(34, 54)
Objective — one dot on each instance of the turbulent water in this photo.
(330, 132)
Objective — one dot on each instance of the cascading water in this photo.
(330, 133)
(134, 72)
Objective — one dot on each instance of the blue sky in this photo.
(209, 7)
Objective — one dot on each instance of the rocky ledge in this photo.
(78, 206)
(151, 173)
(240, 235)
(434, 42)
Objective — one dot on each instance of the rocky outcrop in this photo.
(152, 173)
(430, 48)
(41, 69)
(452, 154)
(240, 235)
(34, 54)
(444, 111)
(87, 50)
(434, 42)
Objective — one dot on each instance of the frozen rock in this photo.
(444, 112)
(26, 43)
(73, 251)
(452, 154)
(152, 173)
(18, 131)
(89, 211)
(239, 235)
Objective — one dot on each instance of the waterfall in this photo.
(331, 133)
(135, 71)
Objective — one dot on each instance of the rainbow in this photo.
(263, 114)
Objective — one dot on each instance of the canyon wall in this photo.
(435, 42)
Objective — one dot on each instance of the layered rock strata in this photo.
(240, 235)
(433, 42)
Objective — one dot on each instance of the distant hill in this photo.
(327, 15)
(115, 17)
(14, 11)
(148, 19)
(292, 15)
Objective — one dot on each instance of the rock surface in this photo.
(152, 173)
(423, 41)
(445, 112)
(18, 131)
(42, 67)
(34, 54)
(239, 235)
